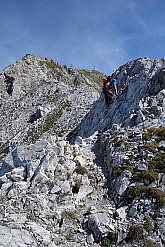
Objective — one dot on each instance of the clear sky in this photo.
(88, 34)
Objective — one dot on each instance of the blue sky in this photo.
(88, 34)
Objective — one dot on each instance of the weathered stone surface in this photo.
(11, 237)
(122, 183)
(161, 144)
(100, 225)
(122, 212)
(73, 173)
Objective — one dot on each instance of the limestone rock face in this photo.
(74, 173)
(141, 94)
(37, 94)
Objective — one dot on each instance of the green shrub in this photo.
(148, 225)
(118, 141)
(61, 161)
(118, 171)
(4, 149)
(69, 236)
(113, 236)
(110, 239)
(157, 194)
(150, 175)
(134, 191)
(156, 213)
(68, 215)
(51, 64)
(149, 243)
(65, 149)
(151, 146)
(78, 183)
(74, 153)
(160, 134)
(148, 135)
(136, 233)
(106, 242)
(158, 162)
(146, 191)
(35, 133)
(81, 169)
(4, 146)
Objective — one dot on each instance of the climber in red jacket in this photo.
(109, 89)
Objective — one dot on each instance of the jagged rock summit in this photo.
(74, 173)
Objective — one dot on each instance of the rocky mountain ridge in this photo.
(34, 87)
(74, 173)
